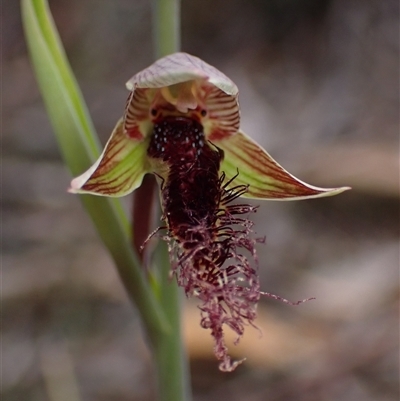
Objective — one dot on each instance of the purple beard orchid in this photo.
(181, 123)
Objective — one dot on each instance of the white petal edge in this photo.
(180, 67)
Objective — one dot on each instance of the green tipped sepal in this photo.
(247, 163)
(118, 171)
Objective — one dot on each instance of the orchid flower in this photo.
(182, 123)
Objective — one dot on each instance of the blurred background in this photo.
(319, 88)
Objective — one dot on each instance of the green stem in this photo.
(170, 357)
(172, 365)
(166, 27)
(79, 146)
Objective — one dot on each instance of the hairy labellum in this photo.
(206, 230)
(190, 191)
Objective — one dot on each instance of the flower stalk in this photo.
(172, 365)
(166, 27)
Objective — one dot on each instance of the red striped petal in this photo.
(137, 122)
(223, 116)
(185, 85)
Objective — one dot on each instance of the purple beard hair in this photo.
(206, 233)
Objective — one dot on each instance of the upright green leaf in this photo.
(79, 146)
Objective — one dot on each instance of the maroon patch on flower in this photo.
(207, 233)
